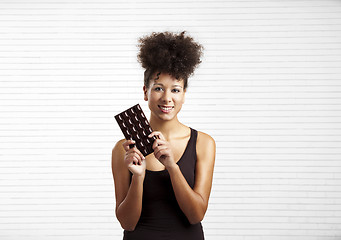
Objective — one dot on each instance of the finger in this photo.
(156, 147)
(127, 143)
(137, 151)
(137, 157)
(140, 154)
(160, 154)
(159, 151)
(158, 142)
(136, 160)
(132, 159)
(157, 134)
(130, 156)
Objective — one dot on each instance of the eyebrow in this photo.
(162, 85)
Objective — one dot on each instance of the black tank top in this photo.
(161, 217)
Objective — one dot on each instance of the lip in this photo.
(165, 109)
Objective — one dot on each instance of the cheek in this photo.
(180, 98)
(153, 97)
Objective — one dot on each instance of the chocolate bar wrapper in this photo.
(135, 126)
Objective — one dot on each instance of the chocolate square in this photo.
(134, 125)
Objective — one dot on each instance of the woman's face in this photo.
(165, 96)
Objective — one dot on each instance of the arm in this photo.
(193, 202)
(128, 194)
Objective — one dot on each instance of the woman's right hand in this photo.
(134, 159)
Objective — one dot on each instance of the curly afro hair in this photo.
(175, 54)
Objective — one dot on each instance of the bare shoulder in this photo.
(118, 150)
(205, 141)
(119, 170)
(206, 151)
(206, 146)
(118, 146)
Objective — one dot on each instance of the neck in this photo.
(169, 128)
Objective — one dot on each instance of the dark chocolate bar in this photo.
(135, 126)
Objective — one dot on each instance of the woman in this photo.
(165, 194)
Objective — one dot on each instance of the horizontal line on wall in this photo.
(206, 234)
(77, 37)
(110, 198)
(327, 236)
(101, 141)
(220, 19)
(97, 191)
(105, 222)
(233, 129)
(115, 75)
(240, 133)
(299, 228)
(61, 222)
(71, 179)
(272, 84)
(225, 184)
(129, 50)
(230, 50)
(216, 44)
(216, 172)
(136, 85)
(128, 62)
(275, 135)
(106, 117)
(226, 165)
(121, 5)
(125, 38)
(124, 2)
(206, 110)
(223, 26)
(106, 210)
(214, 98)
(218, 164)
(110, 122)
(230, 110)
(133, 80)
(241, 12)
(37, 236)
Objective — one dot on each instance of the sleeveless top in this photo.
(161, 217)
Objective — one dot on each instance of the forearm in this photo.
(129, 211)
(191, 203)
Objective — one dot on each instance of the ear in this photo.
(183, 99)
(145, 90)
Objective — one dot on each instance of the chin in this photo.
(165, 117)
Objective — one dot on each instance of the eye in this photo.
(176, 90)
(158, 89)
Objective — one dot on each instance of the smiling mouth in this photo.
(166, 109)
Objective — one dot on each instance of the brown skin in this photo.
(173, 138)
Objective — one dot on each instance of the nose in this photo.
(167, 97)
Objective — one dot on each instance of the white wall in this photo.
(268, 91)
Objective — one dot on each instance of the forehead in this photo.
(168, 80)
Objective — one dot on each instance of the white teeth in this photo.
(166, 108)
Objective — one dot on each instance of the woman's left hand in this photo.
(162, 150)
